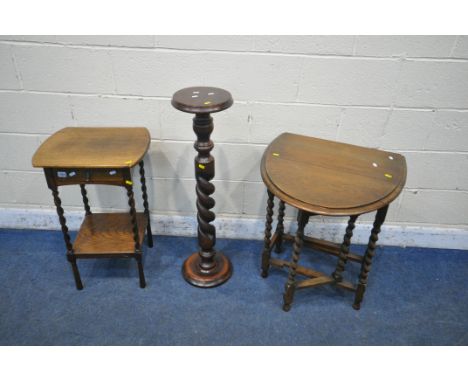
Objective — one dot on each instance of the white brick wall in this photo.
(63, 69)
(402, 93)
(8, 76)
(348, 81)
(404, 46)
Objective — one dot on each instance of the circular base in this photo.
(219, 274)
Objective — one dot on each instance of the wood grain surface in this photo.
(93, 147)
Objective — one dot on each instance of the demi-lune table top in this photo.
(93, 147)
(331, 178)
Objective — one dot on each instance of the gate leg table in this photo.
(80, 156)
(320, 177)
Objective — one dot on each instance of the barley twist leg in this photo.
(136, 236)
(368, 256)
(85, 199)
(267, 240)
(280, 228)
(63, 223)
(290, 286)
(145, 205)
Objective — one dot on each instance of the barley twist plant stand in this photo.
(205, 268)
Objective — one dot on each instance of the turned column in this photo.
(207, 267)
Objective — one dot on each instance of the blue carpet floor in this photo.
(415, 297)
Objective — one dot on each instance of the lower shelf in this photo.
(108, 234)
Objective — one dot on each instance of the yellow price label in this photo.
(129, 182)
(276, 155)
(389, 176)
(201, 166)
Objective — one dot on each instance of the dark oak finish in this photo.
(325, 246)
(344, 249)
(302, 220)
(84, 194)
(145, 204)
(267, 240)
(280, 227)
(206, 268)
(320, 177)
(202, 100)
(79, 156)
(93, 147)
(108, 235)
(311, 273)
(370, 252)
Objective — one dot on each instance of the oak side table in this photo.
(320, 177)
(207, 267)
(80, 156)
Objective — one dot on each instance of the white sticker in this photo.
(390, 157)
(61, 174)
(112, 172)
(73, 173)
(375, 164)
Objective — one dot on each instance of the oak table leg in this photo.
(327, 178)
(280, 228)
(85, 199)
(149, 234)
(267, 240)
(290, 287)
(344, 250)
(99, 155)
(370, 252)
(63, 223)
(136, 238)
(207, 267)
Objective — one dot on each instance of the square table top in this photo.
(93, 147)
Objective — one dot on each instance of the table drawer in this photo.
(89, 176)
